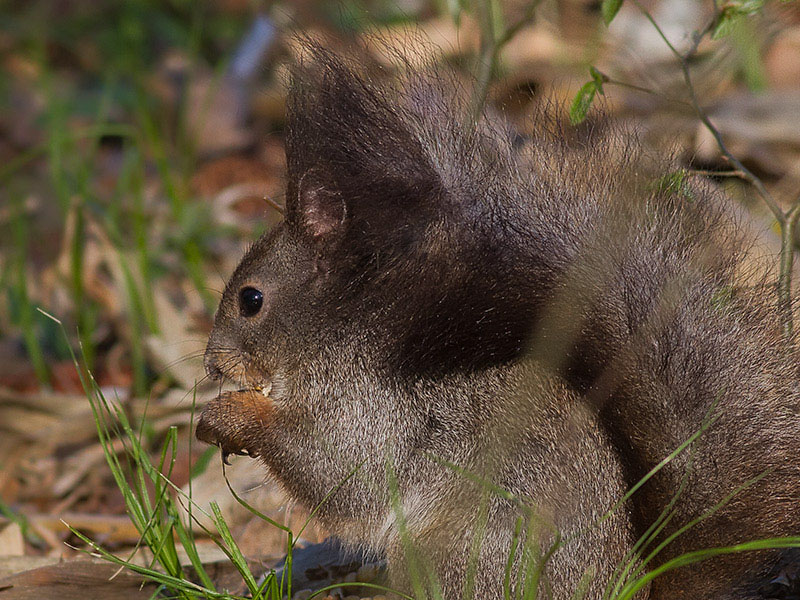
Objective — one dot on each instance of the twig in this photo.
(786, 221)
(787, 263)
(526, 18)
(644, 90)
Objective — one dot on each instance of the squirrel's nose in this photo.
(211, 364)
(219, 355)
(214, 373)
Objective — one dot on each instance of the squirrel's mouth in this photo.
(263, 389)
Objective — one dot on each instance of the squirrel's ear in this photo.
(355, 156)
(319, 209)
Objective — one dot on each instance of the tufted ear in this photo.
(357, 164)
(319, 209)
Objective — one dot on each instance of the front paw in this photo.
(236, 422)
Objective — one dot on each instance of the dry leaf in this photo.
(12, 543)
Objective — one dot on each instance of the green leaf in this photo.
(726, 24)
(599, 78)
(748, 7)
(732, 15)
(675, 183)
(609, 10)
(748, 47)
(498, 19)
(582, 102)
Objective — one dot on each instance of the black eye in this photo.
(250, 301)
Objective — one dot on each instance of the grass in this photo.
(152, 502)
(631, 575)
(164, 514)
(154, 506)
(21, 307)
(98, 100)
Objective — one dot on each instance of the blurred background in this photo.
(141, 152)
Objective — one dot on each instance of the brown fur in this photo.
(555, 318)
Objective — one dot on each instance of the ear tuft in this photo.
(359, 162)
(321, 210)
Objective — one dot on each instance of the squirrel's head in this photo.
(331, 308)
(380, 262)
(362, 199)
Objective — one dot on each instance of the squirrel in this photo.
(514, 363)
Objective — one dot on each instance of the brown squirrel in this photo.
(481, 345)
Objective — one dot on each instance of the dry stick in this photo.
(707, 173)
(786, 221)
(490, 50)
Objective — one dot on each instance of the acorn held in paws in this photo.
(235, 421)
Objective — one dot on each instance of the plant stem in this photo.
(644, 90)
(487, 61)
(787, 263)
(491, 46)
(786, 221)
